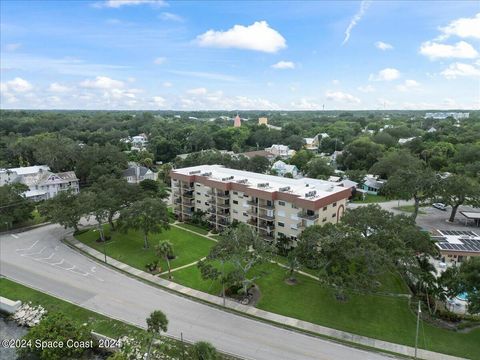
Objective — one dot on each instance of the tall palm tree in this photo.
(156, 323)
(164, 249)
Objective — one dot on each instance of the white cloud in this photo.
(343, 97)
(168, 16)
(259, 37)
(304, 104)
(436, 50)
(356, 18)
(167, 84)
(197, 91)
(383, 45)
(461, 70)
(205, 75)
(120, 3)
(409, 84)
(282, 65)
(102, 82)
(463, 27)
(159, 101)
(58, 88)
(160, 60)
(13, 47)
(387, 74)
(17, 85)
(335, 82)
(366, 89)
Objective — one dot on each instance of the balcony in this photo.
(223, 214)
(223, 205)
(252, 222)
(265, 226)
(252, 203)
(265, 206)
(252, 213)
(187, 202)
(223, 195)
(188, 194)
(263, 215)
(212, 210)
(304, 215)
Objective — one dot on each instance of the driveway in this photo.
(38, 259)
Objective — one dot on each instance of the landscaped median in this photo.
(386, 317)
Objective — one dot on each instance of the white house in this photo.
(281, 150)
(372, 184)
(137, 173)
(42, 183)
(405, 140)
(282, 168)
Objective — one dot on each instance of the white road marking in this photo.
(59, 263)
(47, 258)
(93, 269)
(15, 236)
(32, 254)
(29, 248)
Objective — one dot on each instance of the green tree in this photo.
(318, 168)
(164, 249)
(14, 207)
(456, 190)
(395, 160)
(301, 158)
(293, 265)
(156, 323)
(419, 184)
(203, 350)
(56, 327)
(258, 164)
(360, 154)
(65, 209)
(147, 215)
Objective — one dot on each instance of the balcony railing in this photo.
(265, 216)
(252, 203)
(223, 205)
(306, 216)
(223, 196)
(265, 206)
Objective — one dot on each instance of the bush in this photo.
(153, 266)
(448, 316)
(203, 350)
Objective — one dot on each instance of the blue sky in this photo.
(151, 54)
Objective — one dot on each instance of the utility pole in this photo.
(419, 311)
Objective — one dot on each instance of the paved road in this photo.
(37, 258)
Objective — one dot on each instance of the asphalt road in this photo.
(37, 258)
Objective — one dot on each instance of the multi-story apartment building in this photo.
(273, 205)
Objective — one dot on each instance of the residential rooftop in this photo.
(304, 188)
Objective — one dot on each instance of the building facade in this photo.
(42, 183)
(272, 205)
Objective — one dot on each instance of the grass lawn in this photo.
(409, 209)
(195, 228)
(128, 248)
(382, 317)
(370, 199)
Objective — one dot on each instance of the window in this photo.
(235, 201)
(235, 193)
(324, 219)
(333, 215)
(334, 204)
(199, 193)
(245, 195)
(198, 185)
(325, 208)
(206, 203)
(235, 211)
(280, 234)
(281, 203)
(245, 214)
(281, 224)
(199, 202)
(294, 206)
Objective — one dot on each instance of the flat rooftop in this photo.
(458, 240)
(306, 188)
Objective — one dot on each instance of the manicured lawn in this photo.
(128, 248)
(384, 317)
(195, 228)
(370, 199)
(409, 209)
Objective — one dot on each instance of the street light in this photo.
(418, 325)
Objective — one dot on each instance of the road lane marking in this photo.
(47, 258)
(59, 263)
(15, 236)
(32, 254)
(29, 248)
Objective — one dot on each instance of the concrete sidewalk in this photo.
(268, 316)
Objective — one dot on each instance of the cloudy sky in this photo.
(154, 54)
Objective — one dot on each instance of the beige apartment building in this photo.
(270, 204)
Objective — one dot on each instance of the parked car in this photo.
(440, 206)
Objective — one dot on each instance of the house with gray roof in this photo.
(137, 173)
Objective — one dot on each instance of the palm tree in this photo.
(203, 350)
(293, 265)
(156, 323)
(164, 249)
(426, 279)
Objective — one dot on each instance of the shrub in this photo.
(203, 350)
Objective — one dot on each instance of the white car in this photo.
(440, 206)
